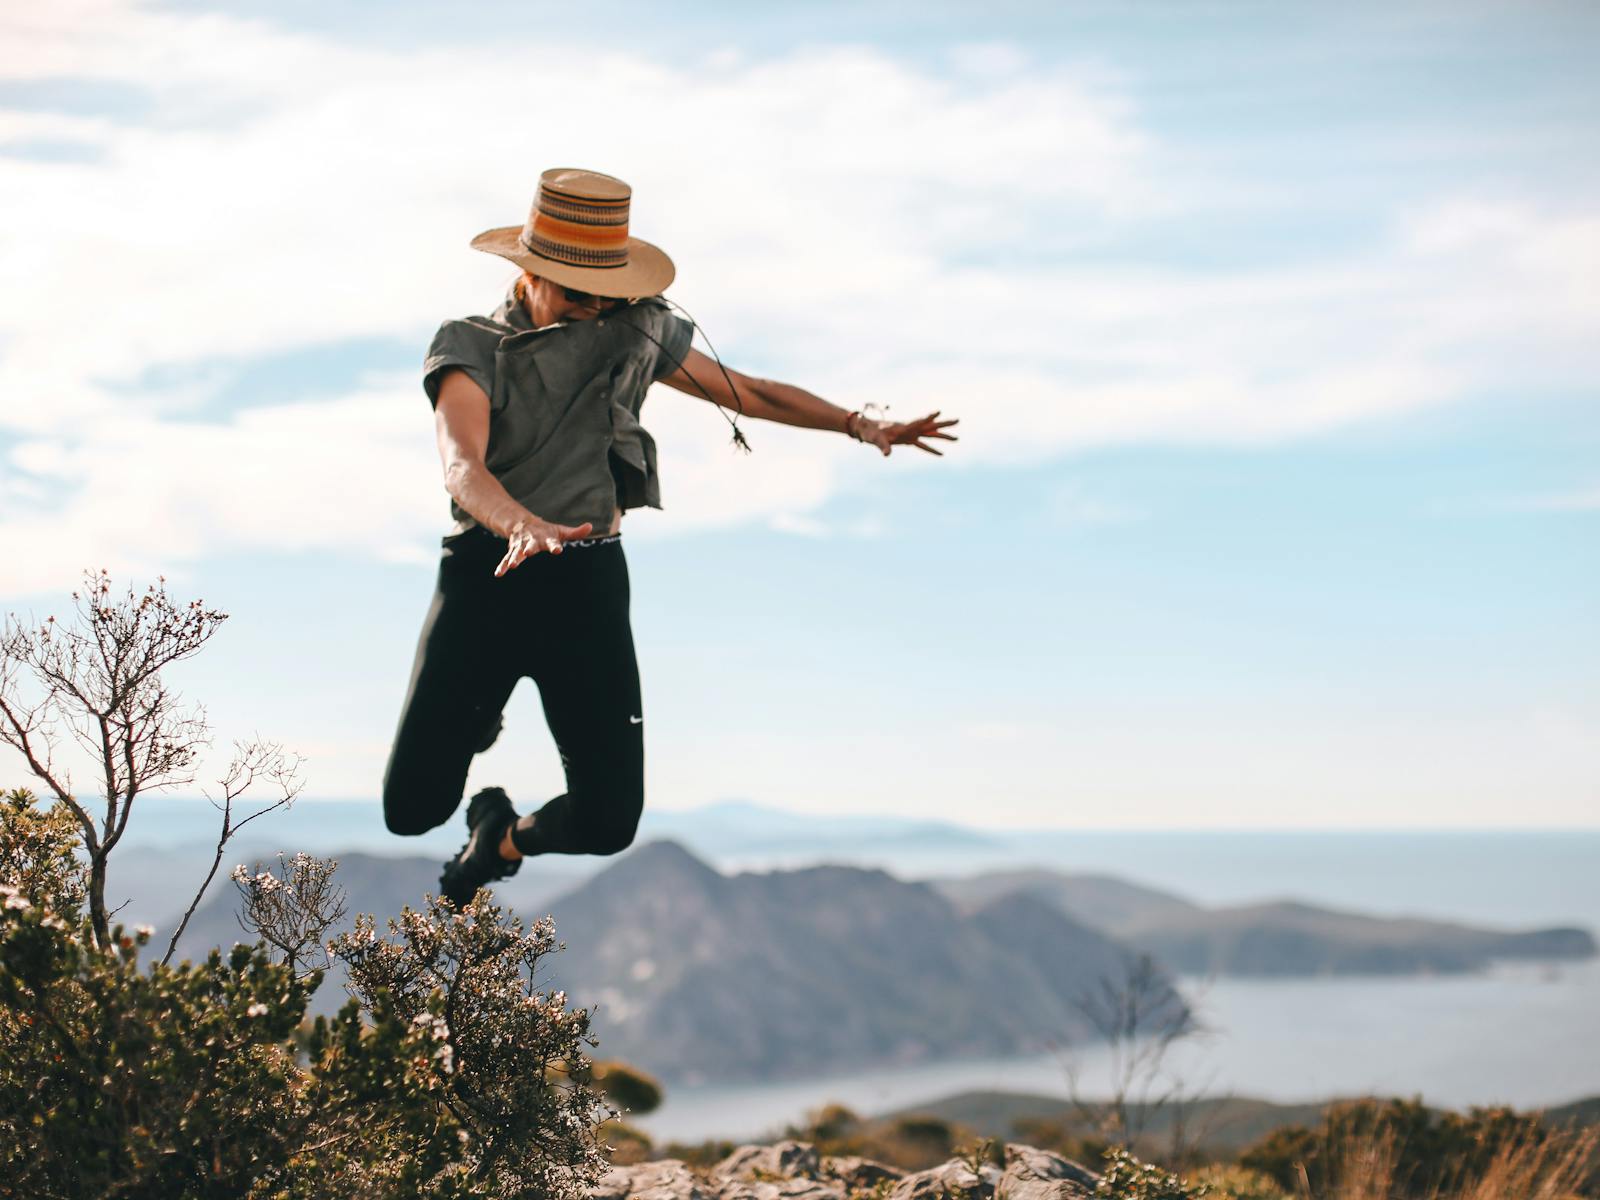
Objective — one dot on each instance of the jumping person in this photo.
(536, 411)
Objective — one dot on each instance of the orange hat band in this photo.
(582, 231)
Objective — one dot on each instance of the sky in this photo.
(1272, 332)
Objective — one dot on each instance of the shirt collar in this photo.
(512, 312)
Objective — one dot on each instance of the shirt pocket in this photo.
(522, 418)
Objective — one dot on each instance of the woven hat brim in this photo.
(648, 271)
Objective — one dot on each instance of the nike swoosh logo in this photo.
(635, 720)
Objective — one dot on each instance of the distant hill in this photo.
(698, 976)
(1223, 1125)
(1102, 902)
(156, 885)
(1276, 938)
(784, 974)
(1289, 938)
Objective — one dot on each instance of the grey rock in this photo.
(1032, 1174)
(792, 1170)
(953, 1180)
(787, 1158)
(857, 1173)
(781, 1189)
(664, 1179)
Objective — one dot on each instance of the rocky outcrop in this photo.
(1041, 1175)
(791, 1170)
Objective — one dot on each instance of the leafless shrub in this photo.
(98, 679)
(1139, 1016)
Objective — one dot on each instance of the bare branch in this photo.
(252, 760)
(98, 680)
(1139, 1016)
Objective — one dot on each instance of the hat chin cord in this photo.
(738, 435)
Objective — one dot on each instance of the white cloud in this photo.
(142, 494)
(1583, 500)
(830, 212)
(1574, 500)
(1578, 500)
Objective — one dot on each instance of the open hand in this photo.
(536, 536)
(906, 433)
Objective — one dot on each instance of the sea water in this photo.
(1524, 1035)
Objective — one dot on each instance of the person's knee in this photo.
(615, 833)
(612, 839)
(406, 824)
(405, 814)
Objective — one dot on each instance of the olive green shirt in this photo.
(564, 433)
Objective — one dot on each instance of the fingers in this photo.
(515, 557)
(522, 548)
(551, 540)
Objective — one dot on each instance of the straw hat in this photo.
(576, 234)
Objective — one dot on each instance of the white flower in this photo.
(257, 1009)
(240, 874)
(145, 930)
(18, 902)
(439, 1027)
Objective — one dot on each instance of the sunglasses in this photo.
(574, 296)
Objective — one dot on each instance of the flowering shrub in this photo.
(186, 1080)
(291, 911)
(509, 1060)
(1127, 1178)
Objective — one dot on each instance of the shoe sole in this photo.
(480, 808)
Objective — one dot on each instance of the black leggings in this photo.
(561, 620)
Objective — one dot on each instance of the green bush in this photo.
(935, 1135)
(630, 1089)
(446, 1076)
(1124, 1177)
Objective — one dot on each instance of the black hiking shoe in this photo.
(489, 815)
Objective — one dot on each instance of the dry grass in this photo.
(1558, 1167)
(1552, 1170)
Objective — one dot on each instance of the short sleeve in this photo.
(460, 344)
(676, 336)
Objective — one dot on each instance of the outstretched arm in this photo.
(770, 400)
